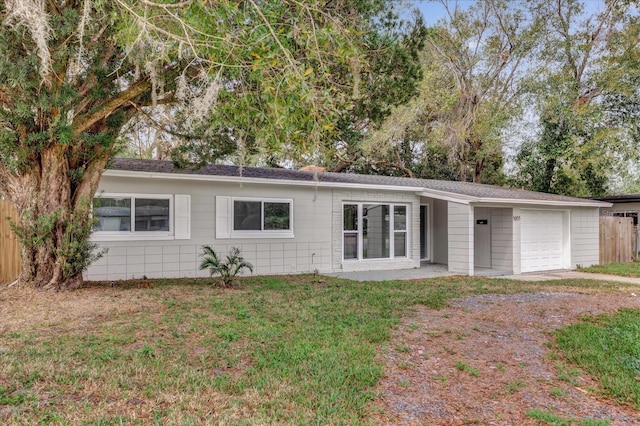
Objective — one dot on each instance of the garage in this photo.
(542, 234)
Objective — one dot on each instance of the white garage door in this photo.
(542, 236)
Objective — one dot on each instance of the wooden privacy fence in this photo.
(9, 246)
(617, 239)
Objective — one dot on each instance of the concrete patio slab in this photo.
(426, 271)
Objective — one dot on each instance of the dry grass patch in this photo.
(285, 350)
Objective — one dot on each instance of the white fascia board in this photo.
(480, 202)
(506, 202)
(447, 196)
(245, 180)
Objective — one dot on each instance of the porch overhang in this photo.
(506, 202)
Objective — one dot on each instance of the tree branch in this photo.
(106, 109)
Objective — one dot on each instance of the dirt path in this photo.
(484, 360)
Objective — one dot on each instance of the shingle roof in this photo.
(622, 198)
(469, 189)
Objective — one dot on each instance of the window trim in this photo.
(262, 233)
(392, 232)
(627, 213)
(133, 235)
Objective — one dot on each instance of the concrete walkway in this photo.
(435, 271)
(570, 275)
(426, 271)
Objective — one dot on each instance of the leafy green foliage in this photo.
(38, 231)
(558, 163)
(76, 252)
(228, 268)
(76, 76)
(363, 88)
(472, 64)
(587, 145)
(10, 397)
(472, 371)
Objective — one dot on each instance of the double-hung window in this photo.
(132, 214)
(126, 216)
(238, 217)
(374, 231)
(268, 216)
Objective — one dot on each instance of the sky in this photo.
(434, 11)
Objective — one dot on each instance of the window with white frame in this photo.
(132, 214)
(631, 214)
(374, 231)
(271, 216)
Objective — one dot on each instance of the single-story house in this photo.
(627, 205)
(154, 219)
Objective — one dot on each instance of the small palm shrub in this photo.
(228, 268)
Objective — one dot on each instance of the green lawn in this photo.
(607, 347)
(277, 350)
(624, 269)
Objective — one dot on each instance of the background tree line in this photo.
(539, 95)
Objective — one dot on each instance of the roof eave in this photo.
(468, 199)
(557, 203)
(421, 191)
(447, 196)
(244, 180)
(619, 200)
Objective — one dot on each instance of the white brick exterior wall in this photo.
(585, 237)
(310, 249)
(460, 252)
(516, 246)
(317, 232)
(502, 239)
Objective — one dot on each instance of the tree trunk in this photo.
(52, 212)
(549, 171)
(463, 171)
(477, 171)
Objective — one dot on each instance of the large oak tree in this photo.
(73, 73)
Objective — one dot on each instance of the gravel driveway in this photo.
(484, 360)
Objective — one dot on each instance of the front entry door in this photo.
(424, 229)
(482, 237)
